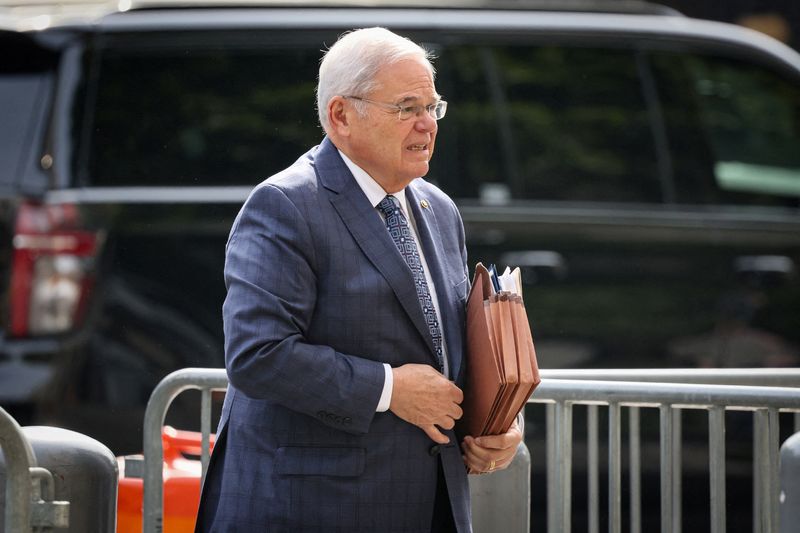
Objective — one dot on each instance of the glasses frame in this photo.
(439, 108)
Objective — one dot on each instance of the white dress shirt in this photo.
(375, 194)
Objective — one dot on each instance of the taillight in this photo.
(52, 269)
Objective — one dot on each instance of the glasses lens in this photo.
(407, 112)
(440, 110)
(436, 111)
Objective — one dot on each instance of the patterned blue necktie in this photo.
(401, 235)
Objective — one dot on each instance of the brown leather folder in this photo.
(484, 374)
(508, 359)
(501, 361)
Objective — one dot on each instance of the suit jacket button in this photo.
(434, 450)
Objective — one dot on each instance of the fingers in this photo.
(477, 456)
(451, 391)
(459, 394)
(455, 412)
(490, 467)
(508, 440)
(424, 397)
(485, 466)
(493, 452)
(498, 442)
(484, 460)
(435, 435)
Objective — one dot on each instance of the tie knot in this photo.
(389, 205)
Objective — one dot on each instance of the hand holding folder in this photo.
(501, 361)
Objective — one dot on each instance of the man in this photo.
(344, 322)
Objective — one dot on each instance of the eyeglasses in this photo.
(436, 111)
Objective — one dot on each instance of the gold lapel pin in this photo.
(424, 204)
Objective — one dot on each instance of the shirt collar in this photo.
(372, 189)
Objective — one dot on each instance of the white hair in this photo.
(349, 67)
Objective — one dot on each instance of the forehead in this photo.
(407, 78)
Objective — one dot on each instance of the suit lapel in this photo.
(431, 241)
(369, 232)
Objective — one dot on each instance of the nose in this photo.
(425, 122)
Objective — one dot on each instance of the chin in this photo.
(420, 170)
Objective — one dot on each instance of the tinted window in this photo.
(546, 122)
(749, 151)
(525, 121)
(25, 83)
(209, 110)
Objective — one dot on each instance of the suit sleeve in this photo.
(272, 287)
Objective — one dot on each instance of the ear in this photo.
(339, 116)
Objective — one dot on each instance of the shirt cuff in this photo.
(386, 395)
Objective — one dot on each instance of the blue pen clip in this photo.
(493, 276)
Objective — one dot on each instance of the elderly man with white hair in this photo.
(344, 322)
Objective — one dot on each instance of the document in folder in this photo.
(501, 361)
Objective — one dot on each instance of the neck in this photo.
(391, 190)
(389, 186)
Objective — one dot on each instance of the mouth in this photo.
(417, 147)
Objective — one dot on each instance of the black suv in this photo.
(642, 167)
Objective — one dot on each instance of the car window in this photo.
(209, 110)
(749, 117)
(526, 120)
(548, 123)
(25, 86)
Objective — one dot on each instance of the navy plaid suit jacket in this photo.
(318, 298)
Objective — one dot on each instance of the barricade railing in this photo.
(29, 490)
(496, 491)
(206, 380)
(671, 391)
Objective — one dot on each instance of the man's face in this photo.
(392, 151)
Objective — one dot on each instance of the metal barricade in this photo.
(670, 391)
(503, 497)
(29, 490)
(206, 380)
